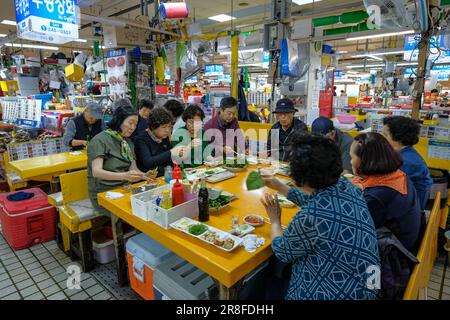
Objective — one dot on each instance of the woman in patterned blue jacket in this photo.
(331, 242)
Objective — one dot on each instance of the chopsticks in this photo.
(267, 220)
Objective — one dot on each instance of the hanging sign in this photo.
(116, 61)
(438, 51)
(52, 21)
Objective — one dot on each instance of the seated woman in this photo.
(323, 240)
(403, 133)
(390, 195)
(153, 148)
(111, 158)
(191, 135)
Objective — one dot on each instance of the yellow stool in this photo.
(78, 218)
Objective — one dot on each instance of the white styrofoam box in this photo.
(302, 29)
(142, 205)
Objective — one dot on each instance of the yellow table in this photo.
(227, 268)
(52, 165)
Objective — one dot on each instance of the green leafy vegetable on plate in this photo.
(197, 229)
(219, 202)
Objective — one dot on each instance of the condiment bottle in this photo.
(177, 193)
(177, 174)
(166, 202)
(203, 203)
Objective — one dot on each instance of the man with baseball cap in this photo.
(325, 127)
(81, 129)
(281, 132)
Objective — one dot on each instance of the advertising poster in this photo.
(116, 61)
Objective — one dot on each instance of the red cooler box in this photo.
(28, 222)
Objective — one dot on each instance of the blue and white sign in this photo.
(443, 72)
(54, 21)
(213, 70)
(412, 49)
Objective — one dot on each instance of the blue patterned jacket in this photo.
(331, 242)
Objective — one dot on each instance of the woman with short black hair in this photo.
(403, 133)
(153, 149)
(390, 195)
(111, 158)
(321, 242)
(192, 135)
(176, 108)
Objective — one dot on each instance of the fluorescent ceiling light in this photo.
(31, 46)
(222, 18)
(227, 52)
(2, 35)
(303, 2)
(384, 53)
(80, 40)
(373, 36)
(362, 66)
(9, 22)
(407, 64)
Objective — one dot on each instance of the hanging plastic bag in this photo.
(289, 58)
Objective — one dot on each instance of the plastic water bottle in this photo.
(168, 174)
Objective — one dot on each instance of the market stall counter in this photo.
(228, 268)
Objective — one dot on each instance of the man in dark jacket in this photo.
(81, 129)
(281, 132)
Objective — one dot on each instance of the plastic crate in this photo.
(177, 279)
(143, 206)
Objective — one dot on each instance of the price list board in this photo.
(33, 149)
(435, 132)
(439, 149)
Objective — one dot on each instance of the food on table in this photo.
(284, 202)
(219, 242)
(229, 244)
(235, 163)
(152, 173)
(219, 202)
(210, 236)
(197, 229)
(183, 224)
(254, 220)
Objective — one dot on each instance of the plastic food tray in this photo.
(221, 177)
(184, 223)
(197, 174)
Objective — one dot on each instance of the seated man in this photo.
(281, 132)
(224, 122)
(81, 129)
(403, 133)
(145, 109)
(324, 126)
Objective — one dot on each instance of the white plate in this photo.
(183, 226)
(243, 230)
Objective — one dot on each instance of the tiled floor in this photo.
(40, 273)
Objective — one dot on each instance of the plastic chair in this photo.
(428, 251)
(77, 218)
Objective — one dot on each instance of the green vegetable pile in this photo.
(219, 202)
(197, 229)
(254, 181)
(209, 172)
(236, 164)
